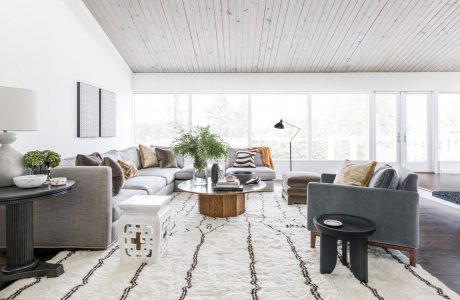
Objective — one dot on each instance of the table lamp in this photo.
(18, 112)
(280, 125)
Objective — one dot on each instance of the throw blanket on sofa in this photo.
(265, 154)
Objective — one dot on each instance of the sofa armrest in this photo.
(395, 212)
(327, 178)
(82, 218)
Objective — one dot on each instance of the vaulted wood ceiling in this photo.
(283, 35)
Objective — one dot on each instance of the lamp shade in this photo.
(279, 125)
(18, 109)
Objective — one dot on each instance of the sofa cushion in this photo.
(168, 173)
(407, 180)
(118, 178)
(355, 174)
(245, 159)
(150, 184)
(90, 160)
(231, 158)
(123, 195)
(113, 154)
(263, 172)
(166, 158)
(148, 156)
(185, 173)
(131, 154)
(384, 177)
(180, 159)
(129, 169)
(68, 162)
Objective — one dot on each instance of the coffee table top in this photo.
(353, 226)
(188, 186)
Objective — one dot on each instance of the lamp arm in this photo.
(298, 129)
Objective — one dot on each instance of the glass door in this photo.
(414, 135)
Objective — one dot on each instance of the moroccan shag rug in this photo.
(262, 254)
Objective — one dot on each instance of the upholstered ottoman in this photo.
(295, 186)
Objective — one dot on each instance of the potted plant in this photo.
(200, 145)
(40, 162)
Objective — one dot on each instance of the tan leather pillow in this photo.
(129, 169)
(355, 174)
(148, 156)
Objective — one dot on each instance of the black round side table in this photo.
(20, 259)
(354, 230)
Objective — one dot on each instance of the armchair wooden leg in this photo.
(413, 257)
(312, 239)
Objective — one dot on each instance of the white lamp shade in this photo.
(18, 109)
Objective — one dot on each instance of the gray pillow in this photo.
(384, 177)
(118, 178)
(180, 159)
(91, 160)
(165, 158)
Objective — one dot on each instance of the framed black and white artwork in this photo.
(108, 114)
(87, 110)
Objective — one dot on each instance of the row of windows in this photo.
(333, 126)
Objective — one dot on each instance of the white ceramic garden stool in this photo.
(143, 229)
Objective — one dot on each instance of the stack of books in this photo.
(228, 186)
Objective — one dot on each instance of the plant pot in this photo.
(200, 177)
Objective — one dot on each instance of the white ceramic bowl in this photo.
(29, 181)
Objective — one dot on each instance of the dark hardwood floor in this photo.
(439, 182)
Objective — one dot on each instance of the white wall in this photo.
(284, 82)
(48, 46)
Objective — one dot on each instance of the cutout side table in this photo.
(144, 228)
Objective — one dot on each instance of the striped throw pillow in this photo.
(244, 159)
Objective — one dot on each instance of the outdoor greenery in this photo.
(40, 161)
(201, 145)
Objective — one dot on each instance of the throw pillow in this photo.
(244, 159)
(94, 159)
(166, 158)
(118, 178)
(129, 169)
(148, 156)
(384, 177)
(355, 174)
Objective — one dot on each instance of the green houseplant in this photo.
(40, 162)
(200, 145)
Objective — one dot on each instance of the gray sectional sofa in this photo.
(87, 216)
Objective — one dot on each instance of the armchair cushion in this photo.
(385, 178)
(355, 174)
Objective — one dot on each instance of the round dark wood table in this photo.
(354, 230)
(20, 258)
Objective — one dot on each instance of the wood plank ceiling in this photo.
(283, 35)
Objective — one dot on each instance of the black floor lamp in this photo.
(280, 125)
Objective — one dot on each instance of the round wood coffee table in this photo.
(220, 204)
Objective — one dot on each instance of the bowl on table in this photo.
(243, 176)
(29, 181)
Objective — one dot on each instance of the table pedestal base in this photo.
(42, 269)
(222, 205)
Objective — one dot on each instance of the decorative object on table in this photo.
(224, 186)
(143, 229)
(333, 223)
(30, 181)
(230, 178)
(19, 112)
(243, 176)
(41, 161)
(201, 145)
(355, 174)
(58, 181)
(354, 230)
(96, 112)
(108, 114)
(20, 259)
(280, 125)
(244, 159)
(253, 181)
(215, 173)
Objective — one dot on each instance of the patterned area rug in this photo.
(453, 197)
(262, 254)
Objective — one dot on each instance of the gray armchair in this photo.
(395, 212)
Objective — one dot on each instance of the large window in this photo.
(449, 127)
(339, 126)
(268, 109)
(158, 118)
(226, 115)
(385, 127)
(416, 124)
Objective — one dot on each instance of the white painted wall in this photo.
(295, 82)
(48, 46)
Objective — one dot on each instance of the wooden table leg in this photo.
(222, 205)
